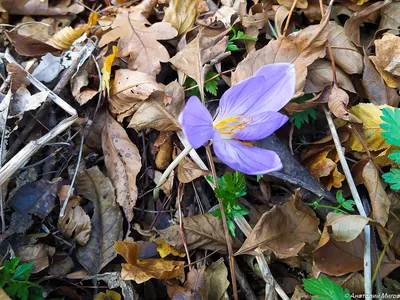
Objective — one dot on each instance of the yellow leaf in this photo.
(108, 295)
(106, 70)
(93, 17)
(143, 270)
(66, 37)
(165, 249)
(370, 115)
(359, 2)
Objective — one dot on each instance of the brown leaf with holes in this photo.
(155, 113)
(142, 270)
(38, 254)
(300, 48)
(188, 170)
(123, 163)
(387, 59)
(75, 223)
(202, 232)
(337, 103)
(139, 42)
(349, 59)
(285, 229)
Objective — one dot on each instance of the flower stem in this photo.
(225, 225)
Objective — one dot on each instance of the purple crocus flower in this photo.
(247, 112)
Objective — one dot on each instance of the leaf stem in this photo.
(225, 225)
(331, 207)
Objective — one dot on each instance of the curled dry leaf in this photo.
(106, 220)
(75, 222)
(41, 8)
(61, 268)
(164, 155)
(142, 270)
(27, 46)
(349, 59)
(155, 113)
(193, 288)
(370, 115)
(285, 229)
(346, 228)
(337, 103)
(64, 38)
(23, 101)
(36, 254)
(313, 10)
(123, 163)
(139, 41)
(18, 76)
(202, 232)
(390, 16)
(129, 89)
(188, 170)
(299, 48)
(387, 59)
(302, 4)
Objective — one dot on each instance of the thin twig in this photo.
(244, 284)
(179, 199)
(289, 17)
(225, 225)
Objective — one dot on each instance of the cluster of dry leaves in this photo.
(121, 66)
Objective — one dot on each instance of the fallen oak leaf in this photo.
(139, 42)
(142, 270)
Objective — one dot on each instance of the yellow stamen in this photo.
(230, 126)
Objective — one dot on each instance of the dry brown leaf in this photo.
(188, 170)
(36, 254)
(181, 14)
(370, 115)
(42, 8)
(300, 48)
(302, 4)
(142, 270)
(281, 14)
(64, 38)
(354, 282)
(346, 228)
(208, 45)
(18, 76)
(349, 59)
(27, 46)
(394, 227)
(107, 220)
(164, 155)
(299, 294)
(380, 202)
(373, 83)
(37, 31)
(285, 229)
(75, 222)
(216, 278)
(387, 59)
(390, 16)
(257, 17)
(352, 25)
(194, 287)
(155, 113)
(202, 232)
(320, 75)
(3, 295)
(139, 42)
(61, 268)
(129, 89)
(337, 103)
(123, 163)
(313, 10)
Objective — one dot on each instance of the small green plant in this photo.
(391, 125)
(210, 86)
(231, 187)
(343, 203)
(235, 36)
(14, 280)
(325, 289)
(305, 116)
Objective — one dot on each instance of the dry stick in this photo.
(225, 225)
(360, 207)
(178, 199)
(244, 284)
(289, 17)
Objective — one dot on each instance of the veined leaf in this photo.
(325, 289)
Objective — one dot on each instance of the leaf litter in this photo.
(82, 214)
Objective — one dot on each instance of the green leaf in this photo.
(259, 177)
(393, 178)
(395, 155)
(339, 197)
(23, 271)
(325, 289)
(14, 287)
(391, 125)
(237, 35)
(348, 204)
(231, 227)
(231, 46)
(11, 264)
(212, 85)
(23, 293)
(303, 117)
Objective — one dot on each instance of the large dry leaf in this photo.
(159, 114)
(188, 170)
(27, 46)
(390, 16)
(299, 4)
(106, 220)
(380, 202)
(36, 254)
(202, 232)
(143, 270)
(216, 278)
(337, 103)
(129, 89)
(349, 59)
(75, 222)
(193, 288)
(285, 229)
(373, 83)
(370, 115)
(42, 8)
(181, 14)
(320, 75)
(23, 101)
(346, 228)
(123, 163)
(208, 45)
(300, 48)
(140, 42)
(387, 59)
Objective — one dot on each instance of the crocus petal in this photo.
(261, 126)
(196, 122)
(270, 89)
(248, 160)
